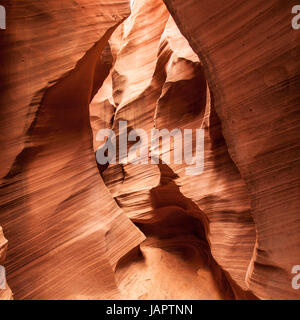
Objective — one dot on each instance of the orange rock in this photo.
(250, 54)
(65, 232)
(137, 231)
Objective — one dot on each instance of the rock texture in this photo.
(149, 231)
(251, 57)
(158, 82)
(65, 232)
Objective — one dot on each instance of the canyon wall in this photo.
(251, 57)
(158, 82)
(76, 230)
(64, 230)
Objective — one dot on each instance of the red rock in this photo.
(149, 231)
(250, 55)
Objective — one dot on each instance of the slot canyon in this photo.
(73, 229)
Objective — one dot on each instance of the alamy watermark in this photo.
(296, 19)
(2, 18)
(296, 278)
(2, 278)
(143, 152)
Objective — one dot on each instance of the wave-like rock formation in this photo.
(78, 230)
(65, 231)
(251, 57)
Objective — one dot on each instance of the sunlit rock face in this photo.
(200, 225)
(79, 230)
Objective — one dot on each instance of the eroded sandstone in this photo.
(135, 231)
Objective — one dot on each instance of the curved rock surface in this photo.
(158, 82)
(251, 59)
(149, 231)
(65, 232)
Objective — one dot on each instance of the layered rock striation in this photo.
(65, 231)
(78, 230)
(250, 54)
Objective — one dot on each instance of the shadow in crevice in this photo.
(180, 228)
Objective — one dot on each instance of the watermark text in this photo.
(2, 18)
(296, 19)
(141, 152)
